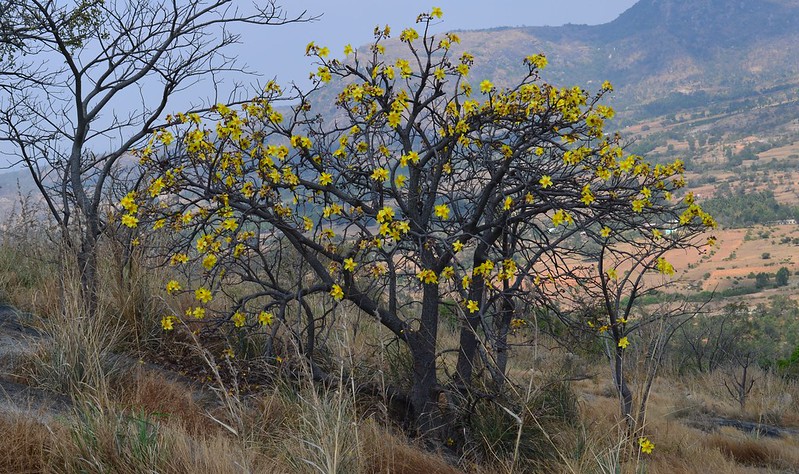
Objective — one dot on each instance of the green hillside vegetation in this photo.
(734, 207)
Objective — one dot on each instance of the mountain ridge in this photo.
(659, 47)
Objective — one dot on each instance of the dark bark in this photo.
(623, 390)
(424, 392)
(468, 336)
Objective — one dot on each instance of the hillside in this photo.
(709, 49)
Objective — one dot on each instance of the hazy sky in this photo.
(279, 51)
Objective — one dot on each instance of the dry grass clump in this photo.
(144, 391)
(24, 444)
(386, 452)
(77, 357)
(756, 452)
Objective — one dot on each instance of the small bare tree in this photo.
(72, 77)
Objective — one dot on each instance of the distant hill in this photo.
(660, 50)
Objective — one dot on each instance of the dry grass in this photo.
(77, 357)
(768, 453)
(132, 419)
(144, 391)
(385, 452)
(24, 446)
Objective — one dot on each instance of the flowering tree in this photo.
(423, 189)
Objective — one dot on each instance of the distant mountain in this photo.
(714, 48)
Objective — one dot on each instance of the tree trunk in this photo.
(468, 338)
(501, 328)
(424, 392)
(619, 380)
(87, 266)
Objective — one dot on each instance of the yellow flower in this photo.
(129, 202)
(198, 312)
(607, 86)
(409, 34)
(538, 61)
(178, 258)
(203, 295)
(172, 286)
(507, 204)
(130, 220)
(209, 261)
(428, 277)
(336, 292)
(168, 323)
(348, 50)
(385, 215)
(646, 446)
(484, 268)
(439, 74)
(325, 179)
(561, 217)
(664, 266)
(612, 275)
(447, 273)
(624, 342)
(442, 211)
(587, 196)
(400, 180)
(545, 181)
(605, 232)
(437, 12)
(238, 319)
(380, 174)
(656, 234)
(230, 224)
(486, 86)
(394, 120)
(472, 306)
(349, 264)
(264, 318)
(517, 323)
(156, 186)
(457, 246)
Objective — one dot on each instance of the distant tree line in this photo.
(738, 208)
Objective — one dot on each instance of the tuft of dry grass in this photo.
(24, 446)
(386, 452)
(77, 356)
(756, 452)
(144, 391)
